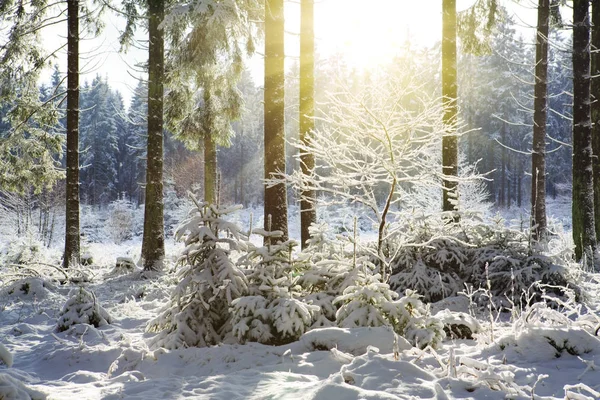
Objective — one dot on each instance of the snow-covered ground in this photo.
(536, 353)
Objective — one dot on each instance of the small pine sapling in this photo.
(274, 312)
(209, 281)
(82, 308)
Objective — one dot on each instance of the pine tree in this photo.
(99, 138)
(136, 138)
(28, 149)
(449, 98)
(308, 215)
(595, 109)
(275, 195)
(153, 244)
(538, 153)
(207, 63)
(72, 244)
(584, 234)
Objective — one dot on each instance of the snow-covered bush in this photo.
(274, 313)
(6, 357)
(82, 307)
(209, 281)
(369, 302)
(29, 288)
(437, 259)
(23, 250)
(120, 223)
(14, 389)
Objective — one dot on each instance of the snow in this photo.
(541, 353)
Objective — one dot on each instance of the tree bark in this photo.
(308, 213)
(584, 234)
(153, 247)
(449, 95)
(72, 244)
(274, 134)
(595, 109)
(210, 169)
(538, 153)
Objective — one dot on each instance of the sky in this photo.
(368, 36)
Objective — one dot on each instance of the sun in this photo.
(370, 34)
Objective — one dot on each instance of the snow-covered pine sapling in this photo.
(209, 281)
(369, 302)
(82, 308)
(273, 313)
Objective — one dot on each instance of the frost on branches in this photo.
(209, 282)
(273, 313)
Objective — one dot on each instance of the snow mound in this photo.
(376, 376)
(354, 340)
(458, 325)
(30, 288)
(536, 344)
(6, 357)
(12, 389)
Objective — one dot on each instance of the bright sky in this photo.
(368, 36)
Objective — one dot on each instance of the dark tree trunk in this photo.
(153, 245)
(595, 92)
(210, 170)
(501, 201)
(275, 196)
(584, 234)
(72, 249)
(308, 214)
(538, 154)
(449, 95)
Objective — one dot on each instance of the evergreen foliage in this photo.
(209, 282)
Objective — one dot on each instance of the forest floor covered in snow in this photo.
(538, 352)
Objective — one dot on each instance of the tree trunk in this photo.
(308, 213)
(538, 153)
(595, 92)
(210, 170)
(584, 234)
(274, 134)
(449, 95)
(153, 246)
(502, 203)
(72, 249)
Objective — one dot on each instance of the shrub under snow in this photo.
(13, 389)
(82, 308)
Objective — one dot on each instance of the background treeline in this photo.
(495, 100)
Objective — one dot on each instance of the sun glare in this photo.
(369, 34)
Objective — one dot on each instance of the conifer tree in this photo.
(275, 195)
(153, 244)
(308, 213)
(540, 107)
(449, 98)
(584, 234)
(595, 109)
(206, 63)
(72, 245)
(28, 150)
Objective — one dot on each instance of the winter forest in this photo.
(300, 199)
